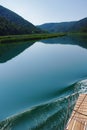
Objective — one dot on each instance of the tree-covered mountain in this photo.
(74, 26)
(12, 23)
(80, 25)
(57, 27)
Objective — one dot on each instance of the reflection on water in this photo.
(8, 51)
(39, 86)
(70, 40)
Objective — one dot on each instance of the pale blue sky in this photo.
(44, 11)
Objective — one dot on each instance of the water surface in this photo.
(39, 81)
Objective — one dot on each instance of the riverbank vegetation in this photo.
(16, 38)
(77, 34)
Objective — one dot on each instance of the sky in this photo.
(45, 11)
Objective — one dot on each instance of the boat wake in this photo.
(52, 115)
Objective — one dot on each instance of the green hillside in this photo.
(74, 26)
(11, 23)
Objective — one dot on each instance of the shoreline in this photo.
(16, 38)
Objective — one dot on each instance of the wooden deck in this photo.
(78, 120)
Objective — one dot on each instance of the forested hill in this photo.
(80, 25)
(12, 23)
(74, 26)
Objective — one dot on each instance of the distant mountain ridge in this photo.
(74, 26)
(12, 23)
(80, 25)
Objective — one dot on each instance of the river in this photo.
(40, 82)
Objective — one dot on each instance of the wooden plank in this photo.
(78, 119)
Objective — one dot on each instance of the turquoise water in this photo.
(39, 81)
